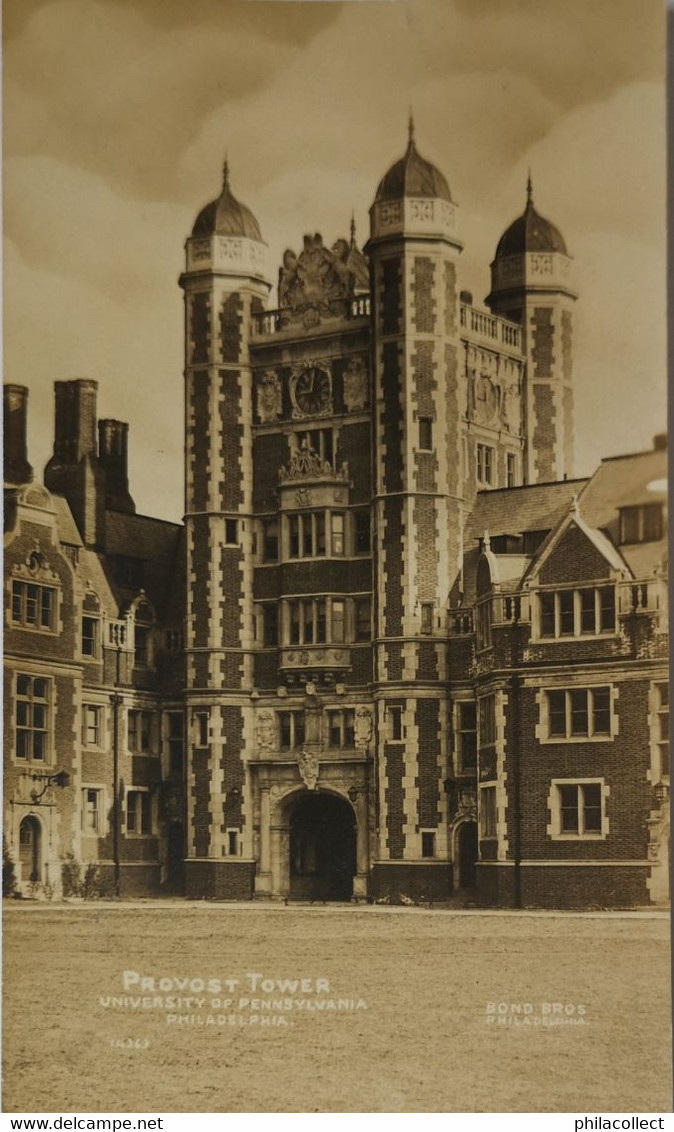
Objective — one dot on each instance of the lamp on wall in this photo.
(61, 778)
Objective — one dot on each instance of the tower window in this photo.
(362, 532)
(363, 619)
(426, 433)
(426, 617)
(270, 540)
(270, 617)
(485, 464)
(231, 532)
(511, 470)
(395, 720)
(291, 730)
(427, 844)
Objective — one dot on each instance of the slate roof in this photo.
(514, 510)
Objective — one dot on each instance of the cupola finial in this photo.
(410, 129)
(353, 229)
(530, 189)
(225, 175)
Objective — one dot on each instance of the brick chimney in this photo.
(17, 470)
(74, 470)
(113, 441)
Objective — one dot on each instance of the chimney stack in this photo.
(113, 441)
(17, 470)
(74, 470)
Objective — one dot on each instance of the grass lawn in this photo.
(422, 1044)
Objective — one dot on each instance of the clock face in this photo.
(312, 391)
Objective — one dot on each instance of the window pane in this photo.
(294, 536)
(349, 736)
(39, 744)
(663, 690)
(284, 717)
(607, 608)
(319, 520)
(601, 698)
(592, 807)
(299, 728)
(569, 808)
(22, 744)
(629, 524)
(335, 729)
(579, 717)
(566, 619)
(468, 716)
(39, 716)
(22, 713)
(307, 541)
(46, 609)
(557, 713)
(362, 532)
(270, 551)
(39, 689)
(338, 622)
(468, 742)
(320, 622)
(16, 601)
(308, 622)
(294, 623)
(363, 620)
(23, 685)
(652, 521)
(547, 601)
(337, 534)
(31, 605)
(587, 611)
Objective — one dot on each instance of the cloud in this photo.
(118, 113)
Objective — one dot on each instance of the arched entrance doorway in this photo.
(467, 851)
(30, 849)
(322, 848)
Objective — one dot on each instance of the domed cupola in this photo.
(226, 216)
(413, 176)
(413, 198)
(530, 233)
(226, 236)
(531, 253)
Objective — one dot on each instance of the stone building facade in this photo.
(395, 650)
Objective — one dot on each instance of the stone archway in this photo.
(321, 847)
(30, 849)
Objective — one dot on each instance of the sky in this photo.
(118, 115)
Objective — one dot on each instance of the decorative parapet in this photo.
(490, 329)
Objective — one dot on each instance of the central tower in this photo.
(224, 287)
(417, 512)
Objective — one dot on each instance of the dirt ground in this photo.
(425, 1040)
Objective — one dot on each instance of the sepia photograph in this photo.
(336, 711)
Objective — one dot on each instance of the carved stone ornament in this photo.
(487, 398)
(510, 409)
(265, 730)
(355, 385)
(363, 727)
(317, 283)
(306, 464)
(35, 567)
(307, 764)
(269, 397)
